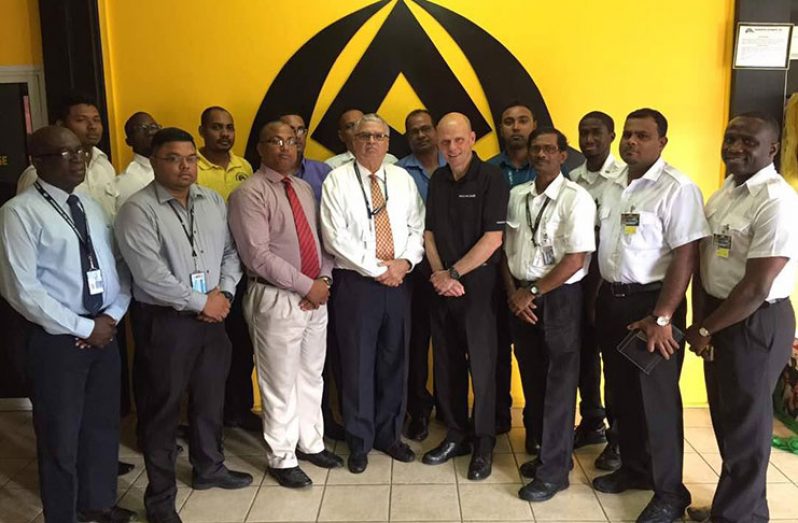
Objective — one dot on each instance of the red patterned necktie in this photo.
(382, 225)
(308, 254)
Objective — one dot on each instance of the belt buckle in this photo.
(619, 290)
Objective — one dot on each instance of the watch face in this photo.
(662, 321)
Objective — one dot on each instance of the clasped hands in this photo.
(102, 334)
(395, 272)
(445, 285)
(216, 309)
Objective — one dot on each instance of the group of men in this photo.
(355, 265)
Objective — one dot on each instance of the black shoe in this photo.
(247, 421)
(531, 445)
(589, 436)
(357, 463)
(112, 515)
(418, 428)
(169, 517)
(480, 466)
(123, 468)
(539, 490)
(228, 479)
(400, 452)
(620, 481)
(702, 514)
(446, 451)
(660, 511)
(609, 459)
(530, 468)
(292, 477)
(324, 459)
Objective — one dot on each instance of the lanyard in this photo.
(85, 243)
(371, 214)
(534, 228)
(189, 236)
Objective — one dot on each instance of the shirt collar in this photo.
(758, 181)
(607, 170)
(552, 191)
(471, 173)
(270, 174)
(142, 160)
(364, 172)
(59, 195)
(652, 174)
(204, 163)
(504, 161)
(163, 195)
(96, 154)
(411, 160)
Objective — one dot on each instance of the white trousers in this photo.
(290, 346)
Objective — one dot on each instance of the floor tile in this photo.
(517, 438)
(19, 505)
(504, 469)
(416, 473)
(625, 506)
(576, 503)
(26, 477)
(253, 464)
(284, 504)
(218, 505)
(16, 445)
(502, 444)
(697, 470)
(697, 417)
(424, 503)
(493, 502)
(702, 439)
(782, 499)
(378, 472)
(588, 464)
(701, 494)
(9, 467)
(125, 482)
(774, 474)
(786, 462)
(355, 503)
(239, 442)
(133, 500)
(517, 417)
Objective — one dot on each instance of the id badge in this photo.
(198, 282)
(723, 243)
(630, 221)
(94, 278)
(547, 251)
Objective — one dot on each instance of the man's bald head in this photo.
(346, 127)
(456, 141)
(139, 130)
(59, 157)
(277, 147)
(457, 120)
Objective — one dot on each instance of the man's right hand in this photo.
(217, 307)
(522, 303)
(319, 293)
(102, 334)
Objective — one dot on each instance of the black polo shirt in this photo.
(460, 211)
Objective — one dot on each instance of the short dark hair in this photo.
(206, 114)
(604, 118)
(168, 135)
(416, 112)
(71, 100)
(562, 141)
(517, 103)
(658, 117)
(129, 123)
(770, 122)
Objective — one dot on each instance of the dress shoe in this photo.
(530, 468)
(123, 468)
(503, 426)
(445, 451)
(357, 463)
(584, 435)
(418, 428)
(620, 481)
(660, 511)
(112, 515)
(334, 430)
(228, 479)
(531, 445)
(702, 514)
(169, 517)
(324, 459)
(539, 490)
(400, 452)
(480, 466)
(609, 459)
(247, 421)
(292, 477)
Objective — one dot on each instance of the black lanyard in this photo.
(371, 214)
(85, 243)
(189, 236)
(534, 228)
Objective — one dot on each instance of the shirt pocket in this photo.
(648, 235)
(741, 232)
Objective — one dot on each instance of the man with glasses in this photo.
(372, 223)
(139, 130)
(58, 270)
(79, 114)
(306, 169)
(346, 133)
(174, 237)
(274, 220)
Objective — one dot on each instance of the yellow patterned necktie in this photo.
(382, 225)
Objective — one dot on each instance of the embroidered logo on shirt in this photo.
(467, 195)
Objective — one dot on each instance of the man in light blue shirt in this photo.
(425, 157)
(58, 270)
(311, 171)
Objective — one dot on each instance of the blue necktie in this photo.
(92, 302)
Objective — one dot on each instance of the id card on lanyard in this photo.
(198, 278)
(630, 221)
(546, 249)
(722, 242)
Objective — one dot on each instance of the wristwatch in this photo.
(327, 280)
(533, 289)
(662, 321)
(228, 296)
(453, 273)
(704, 333)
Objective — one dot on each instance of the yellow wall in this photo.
(175, 58)
(20, 33)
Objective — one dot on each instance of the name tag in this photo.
(95, 280)
(467, 195)
(630, 221)
(547, 251)
(198, 282)
(723, 244)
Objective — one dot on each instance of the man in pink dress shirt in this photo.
(273, 217)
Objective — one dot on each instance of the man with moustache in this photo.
(423, 160)
(466, 214)
(174, 237)
(651, 218)
(743, 321)
(139, 130)
(596, 134)
(546, 254)
(273, 218)
(309, 170)
(346, 133)
(58, 270)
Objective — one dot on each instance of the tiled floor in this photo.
(389, 490)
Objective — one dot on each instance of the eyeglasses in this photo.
(367, 137)
(279, 142)
(67, 154)
(176, 159)
(151, 128)
(300, 131)
(547, 149)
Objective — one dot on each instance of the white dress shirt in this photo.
(348, 230)
(136, 176)
(595, 182)
(761, 217)
(566, 226)
(100, 182)
(346, 157)
(671, 212)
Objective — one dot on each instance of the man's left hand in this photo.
(395, 272)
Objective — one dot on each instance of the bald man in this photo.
(466, 213)
(139, 130)
(346, 133)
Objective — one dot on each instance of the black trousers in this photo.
(179, 352)
(372, 324)
(75, 396)
(504, 359)
(548, 358)
(591, 407)
(332, 363)
(648, 407)
(463, 338)
(238, 396)
(419, 399)
(749, 357)
(124, 370)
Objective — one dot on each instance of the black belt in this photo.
(715, 302)
(168, 311)
(622, 290)
(93, 316)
